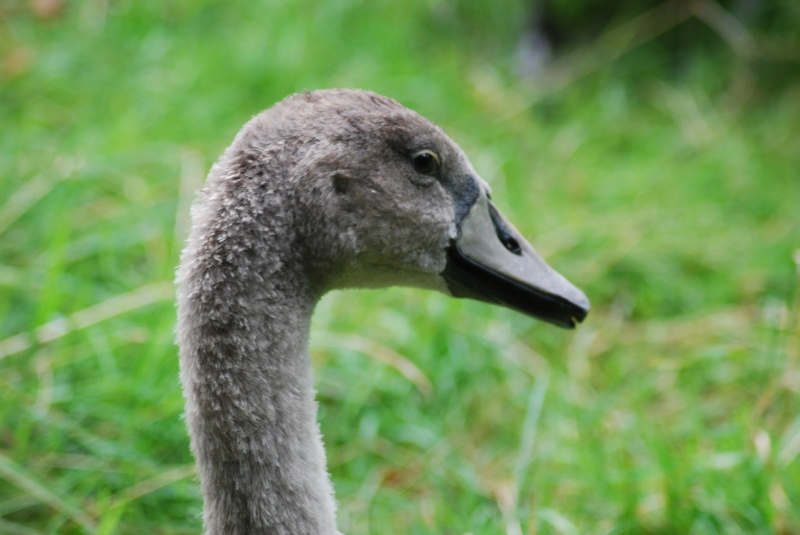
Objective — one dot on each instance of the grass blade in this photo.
(114, 306)
(13, 474)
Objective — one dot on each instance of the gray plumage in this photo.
(315, 193)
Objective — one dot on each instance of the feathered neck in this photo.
(245, 306)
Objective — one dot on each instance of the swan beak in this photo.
(491, 261)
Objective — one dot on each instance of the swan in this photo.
(324, 190)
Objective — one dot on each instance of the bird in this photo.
(330, 189)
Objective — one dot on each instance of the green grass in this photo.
(671, 199)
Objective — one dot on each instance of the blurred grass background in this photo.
(654, 162)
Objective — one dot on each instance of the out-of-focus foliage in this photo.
(658, 170)
(571, 20)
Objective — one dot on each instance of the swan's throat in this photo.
(250, 403)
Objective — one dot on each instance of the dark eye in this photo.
(425, 162)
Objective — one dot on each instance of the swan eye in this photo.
(425, 162)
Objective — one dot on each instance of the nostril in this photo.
(503, 234)
(511, 244)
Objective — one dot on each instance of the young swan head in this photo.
(372, 194)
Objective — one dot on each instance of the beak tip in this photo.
(576, 302)
(580, 312)
(584, 304)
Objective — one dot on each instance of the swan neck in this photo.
(250, 405)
